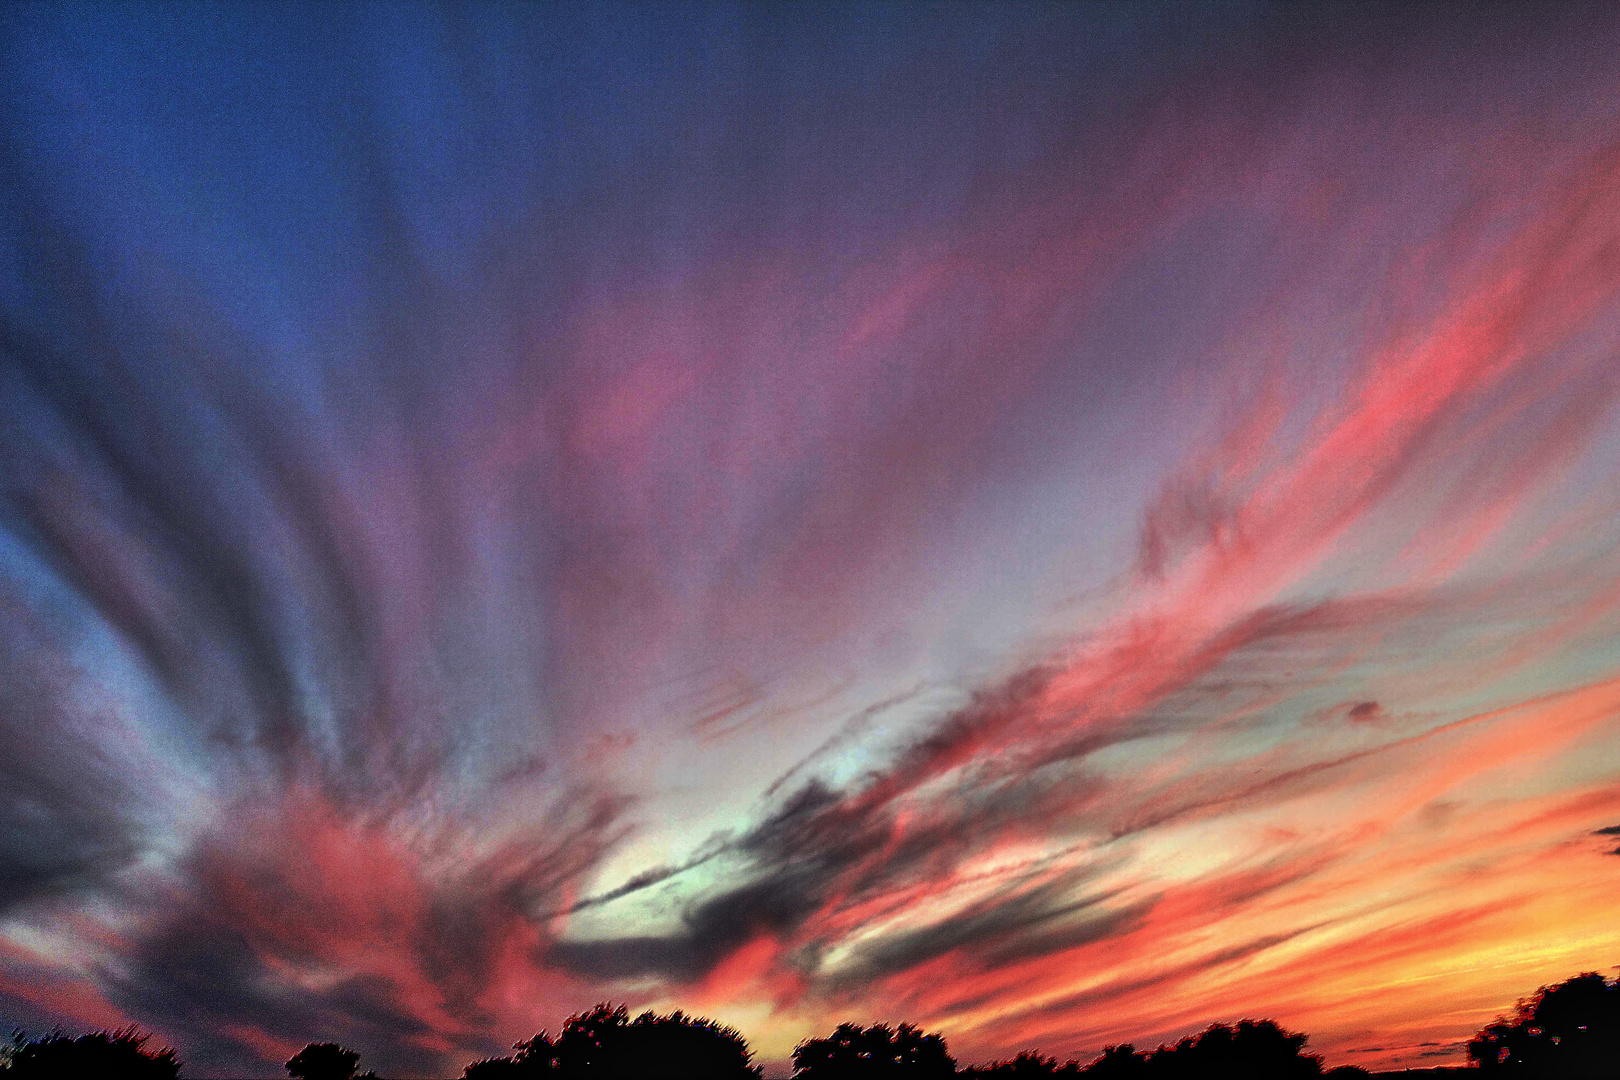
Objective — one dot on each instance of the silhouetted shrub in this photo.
(605, 1044)
(1253, 1048)
(1027, 1065)
(121, 1053)
(1118, 1063)
(501, 1068)
(1571, 1029)
(1257, 1048)
(534, 1057)
(855, 1053)
(324, 1061)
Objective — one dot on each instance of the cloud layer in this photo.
(1059, 525)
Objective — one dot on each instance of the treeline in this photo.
(1568, 1030)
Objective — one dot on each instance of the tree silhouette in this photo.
(1119, 1063)
(324, 1061)
(121, 1053)
(855, 1053)
(534, 1057)
(605, 1044)
(1571, 1029)
(1253, 1048)
(1027, 1065)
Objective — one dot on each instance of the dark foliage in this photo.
(1026, 1066)
(1118, 1063)
(100, 1054)
(534, 1057)
(605, 1043)
(1257, 1048)
(1571, 1030)
(325, 1061)
(854, 1053)
(1252, 1048)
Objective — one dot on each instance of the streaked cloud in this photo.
(1055, 524)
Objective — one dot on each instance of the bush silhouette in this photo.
(605, 1043)
(1027, 1065)
(1571, 1029)
(1118, 1063)
(1253, 1048)
(1256, 1048)
(121, 1053)
(534, 1057)
(324, 1061)
(854, 1053)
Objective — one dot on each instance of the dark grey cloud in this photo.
(711, 930)
(820, 842)
(66, 804)
(201, 978)
(242, 916)
(1012, 925)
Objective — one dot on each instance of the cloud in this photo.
(67, 818)
(877, 881)
(353, 583)
(883, 881)
(302, 920)
(1012, 925)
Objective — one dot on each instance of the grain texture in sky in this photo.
(1060, 524)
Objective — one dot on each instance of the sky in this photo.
(1059, 524)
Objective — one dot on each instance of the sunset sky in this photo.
(1059, 524)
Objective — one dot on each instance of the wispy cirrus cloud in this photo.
(1046, 526)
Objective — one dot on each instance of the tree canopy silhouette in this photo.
(854, 1053)
(121, 1053)
(1027, 1065)
(1570, 1029)
(534, 1057)
(1120, 1062)
(605, 1043)
(326, 1061)
(1251, 1048)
